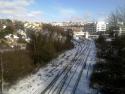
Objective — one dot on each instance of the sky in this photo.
(58, 10)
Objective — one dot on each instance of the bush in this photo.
(17, 64)
(110, 75)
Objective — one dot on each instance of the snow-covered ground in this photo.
(68, 74)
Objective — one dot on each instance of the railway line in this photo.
(64, 77)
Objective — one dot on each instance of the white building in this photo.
(121, 30)
(33, 25)
(100, 26)
(57, 23)
(68, 23)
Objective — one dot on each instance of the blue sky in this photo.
(58, 10)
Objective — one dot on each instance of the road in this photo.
(68, 74)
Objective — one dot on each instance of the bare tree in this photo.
(117, 16)
(116, 20)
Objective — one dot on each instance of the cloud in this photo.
(15, 3)
(35, 13)
(67, 12)
(19, 9)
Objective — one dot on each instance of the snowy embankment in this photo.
(68, 74)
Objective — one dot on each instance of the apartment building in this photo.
(122, 30)
(90, 27)
(101, 26)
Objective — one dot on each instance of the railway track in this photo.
(58, 85)
(65, 71)
(38, 91)
(68, 76)
(80, 74)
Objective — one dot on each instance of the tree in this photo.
(19, 25)
(109, 74)
(6, 31)
(45, 45)
(115, 20)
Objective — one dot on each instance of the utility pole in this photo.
(2, 71)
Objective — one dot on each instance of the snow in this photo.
(71, 61)
(83, 87)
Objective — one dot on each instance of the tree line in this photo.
(48, 43)
(109, 72)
